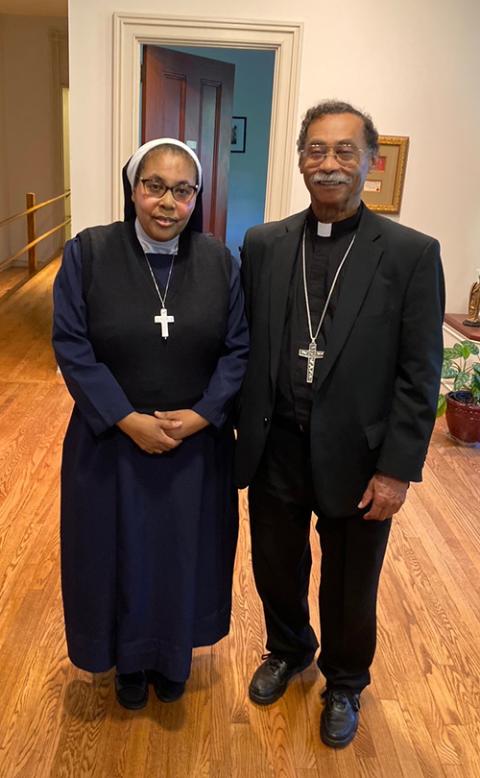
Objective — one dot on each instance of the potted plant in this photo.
(462, 404)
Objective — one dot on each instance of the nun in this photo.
(151, 338)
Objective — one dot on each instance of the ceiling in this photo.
(34, 7)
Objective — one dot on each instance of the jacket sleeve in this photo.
(228, 375)
(98, 395)
(413, 410)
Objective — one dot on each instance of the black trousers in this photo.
(281, 501)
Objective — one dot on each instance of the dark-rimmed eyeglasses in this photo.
(344, 153)
(182, 193)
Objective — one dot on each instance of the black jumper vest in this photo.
(121, 300)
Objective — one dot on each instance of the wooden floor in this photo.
(420, 717)
(13, 278)
(10, 279)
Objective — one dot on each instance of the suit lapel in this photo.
(284, 251)
(359, 272)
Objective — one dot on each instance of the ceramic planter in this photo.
(463, 418)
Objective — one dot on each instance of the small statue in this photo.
(474, 304)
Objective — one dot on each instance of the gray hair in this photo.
(337, 106)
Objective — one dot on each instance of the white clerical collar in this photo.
(324, 229)
(151, 246)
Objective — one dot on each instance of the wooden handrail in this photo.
(7, 262)
(9, 219)
(32, 238)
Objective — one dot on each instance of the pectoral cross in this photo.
(311, 355)
(164, 319)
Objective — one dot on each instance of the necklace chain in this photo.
(313, 337)
(164, 297)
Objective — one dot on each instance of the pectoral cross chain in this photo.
(164, 320)
(311, 354)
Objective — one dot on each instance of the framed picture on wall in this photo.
(239, 134)
(383, 187)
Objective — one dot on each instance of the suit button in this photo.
(266, 420)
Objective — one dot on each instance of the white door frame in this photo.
(131, 31)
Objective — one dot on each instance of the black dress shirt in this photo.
(323, 256)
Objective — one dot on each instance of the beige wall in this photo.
(413, 64)
(30, 125)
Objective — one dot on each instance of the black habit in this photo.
(148, 541)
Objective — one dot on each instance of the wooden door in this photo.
(191, 98)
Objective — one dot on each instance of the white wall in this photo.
(413, 64)
(30, 127)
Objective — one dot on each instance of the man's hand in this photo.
(150, 434)
(191, 422)
(387, 495)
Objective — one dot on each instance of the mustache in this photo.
(330, 178)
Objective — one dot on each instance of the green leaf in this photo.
(441, 405)
(475, 383)
(458, 349)
(448, 354)
(448, 371)
(468, 347)
(476, 368)
(462, 381)
(475, 386)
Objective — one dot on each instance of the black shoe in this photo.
(270, 680)
(132, 690)
(339, 721)
(165, 689)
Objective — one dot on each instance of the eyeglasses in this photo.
(344, 153)
(182, 193)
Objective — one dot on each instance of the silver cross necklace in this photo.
(311, 353)
(164, 319)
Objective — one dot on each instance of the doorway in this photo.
(132, 31)
(247, 161)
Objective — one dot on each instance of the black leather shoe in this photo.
(270, 680)
(165, 689)
(132, 690)
(339, 721)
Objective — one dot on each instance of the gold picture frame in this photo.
(383, 188)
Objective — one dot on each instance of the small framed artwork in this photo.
(239, 134)
(383, 187)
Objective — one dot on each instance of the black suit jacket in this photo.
(376, 388)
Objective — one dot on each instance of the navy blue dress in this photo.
(148, 541)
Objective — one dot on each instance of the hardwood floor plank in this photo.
(466, 740)
(249, 754)
(402, 742)
(422, 739)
